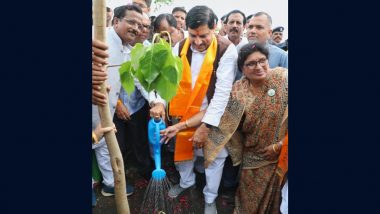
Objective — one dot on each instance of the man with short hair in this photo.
(127, 21)
(179, 14)
(235, 24)
(277, 35)
(167, 22)
(209, 63)
(131, 117)
(259, 29)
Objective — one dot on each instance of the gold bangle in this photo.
(273, 148)
(186, 124)
(94, 138)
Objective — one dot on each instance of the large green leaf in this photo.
(137, 52)
(172, 70)
(156, 68)
(153, 61)
(142, 81)
(165, 88)
(126, 77)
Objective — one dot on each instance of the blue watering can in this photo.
(154, 128)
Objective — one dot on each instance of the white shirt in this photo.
(118, 54)
(225, 77)
(242, 42)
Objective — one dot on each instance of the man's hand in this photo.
(99, 75)
(99, 53)
(122, 112)
(157, 111)
(170, 132)
(99, 98)
(200, 136)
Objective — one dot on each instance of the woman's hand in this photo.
(271, 152)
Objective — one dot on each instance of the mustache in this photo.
(234, 29)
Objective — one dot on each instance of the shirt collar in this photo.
(123, 48)
(195, 51)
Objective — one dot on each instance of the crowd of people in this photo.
(228, 121)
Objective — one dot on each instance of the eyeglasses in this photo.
(253, 64)
(133, 22)
(146, 26)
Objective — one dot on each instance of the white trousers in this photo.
(284, 202)
(213, 175)
(104, 162)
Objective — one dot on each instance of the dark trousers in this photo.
(132, 137)
(230, 174)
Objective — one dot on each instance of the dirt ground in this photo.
(191, 201)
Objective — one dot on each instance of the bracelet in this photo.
(186, 124)
(274, 148)
(94, 138)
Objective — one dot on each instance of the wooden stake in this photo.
(122, 206)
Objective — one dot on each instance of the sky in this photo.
(278, 9)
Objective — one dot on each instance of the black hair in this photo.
(248, 49)
(168, 17)
(120, 12)
(233, 12)
(223, 19)
(181, 9)
(108, 9)
(201, 15)
(249, 17)
(152, 18)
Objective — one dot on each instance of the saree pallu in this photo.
(262, 123)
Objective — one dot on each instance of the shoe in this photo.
(210, 208)
(176, 190)
(93, 198)
(110, 191)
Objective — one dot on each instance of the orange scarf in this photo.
(187, 102)
(282, 166)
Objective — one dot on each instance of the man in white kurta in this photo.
(125, 29)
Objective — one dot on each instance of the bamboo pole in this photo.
(122, 206)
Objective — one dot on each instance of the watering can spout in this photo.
(154, 128)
